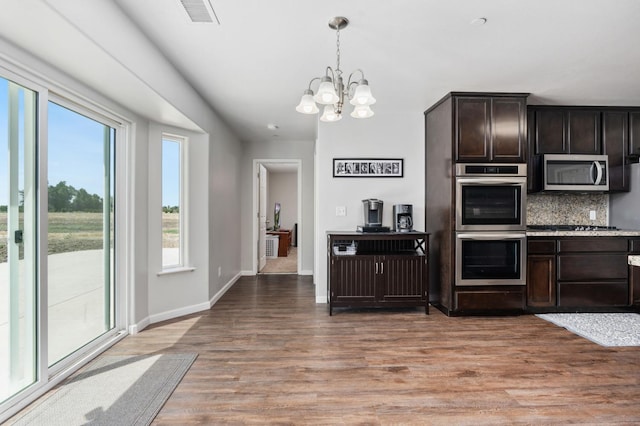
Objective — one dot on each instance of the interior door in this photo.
(262, 217)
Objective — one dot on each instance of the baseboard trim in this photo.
(306, 272)
(224, 289)
(246, 273)
(180, 312)
(176, 313)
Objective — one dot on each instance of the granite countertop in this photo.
(607, 233)
(634, 259)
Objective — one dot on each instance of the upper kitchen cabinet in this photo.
(561, 130)
(490, 127)
(634, 135)
(614, 131)
(615, 143)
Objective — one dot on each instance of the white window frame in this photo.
(183, 262)
(50, 90)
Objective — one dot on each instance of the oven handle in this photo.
(484, 236)
(492, 181)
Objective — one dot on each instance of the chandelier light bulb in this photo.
(307, 105)
(330, 115)
(362, 94)
(362, 111)
(326, 92)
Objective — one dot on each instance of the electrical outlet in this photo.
(341, 211)
(592, 214)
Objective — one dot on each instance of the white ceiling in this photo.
(254, 66)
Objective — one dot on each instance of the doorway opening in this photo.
(277, 201)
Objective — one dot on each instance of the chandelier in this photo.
(332, 91)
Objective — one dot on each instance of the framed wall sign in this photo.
(368, 167)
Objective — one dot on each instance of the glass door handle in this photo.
(18, 236)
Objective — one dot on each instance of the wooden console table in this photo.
(387, 269)
(284, 242)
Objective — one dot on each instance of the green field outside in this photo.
(76, 231)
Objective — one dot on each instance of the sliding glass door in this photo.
(18, 236)
(57, 235)
(80, 230)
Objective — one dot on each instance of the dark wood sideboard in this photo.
(284, 242)
(388, 269)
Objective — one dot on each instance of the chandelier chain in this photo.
(338, 70)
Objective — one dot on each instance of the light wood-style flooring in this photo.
(269, 354)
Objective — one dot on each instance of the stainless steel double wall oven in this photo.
(490, 224)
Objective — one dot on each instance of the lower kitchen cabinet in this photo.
(578, 273)
(541, 273)
(490, 300)
(634, 275)
(377, 270)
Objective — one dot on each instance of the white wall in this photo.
(137, 158)
(381, 136)
(298, 150)
(283, 189)
(225, 193)
(625, 207)
(169, 98)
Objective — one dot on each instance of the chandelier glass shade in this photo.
(332, 91)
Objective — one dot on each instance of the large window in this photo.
(173, 209)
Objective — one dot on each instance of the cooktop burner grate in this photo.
(570, 228)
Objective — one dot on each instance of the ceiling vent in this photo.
(200, 10)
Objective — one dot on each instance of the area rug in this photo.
(621, 329)
(113, 390)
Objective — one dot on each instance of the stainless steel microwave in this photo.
(569, 172)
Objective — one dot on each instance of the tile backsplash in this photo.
(567, 209)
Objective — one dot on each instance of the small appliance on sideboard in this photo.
(403, 217)
(373, 216)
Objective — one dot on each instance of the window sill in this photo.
(176, 270)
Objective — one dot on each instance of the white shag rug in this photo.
(620, 329)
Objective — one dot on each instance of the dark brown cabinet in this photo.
(634, 275)
(541, 273)
(548, 136)
(380, 270)
(614, 131)
(561, 130)
(578, 273)
(583, 131)
(615, 143)
(634, 133)
(490, 128)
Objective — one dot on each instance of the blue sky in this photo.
(76, 152)
(170, 173)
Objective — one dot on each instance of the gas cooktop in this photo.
(570, 228)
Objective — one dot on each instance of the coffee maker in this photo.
(403, 217)
(372, 212)
(372, 216)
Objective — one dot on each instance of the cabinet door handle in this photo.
(376, 268)
(381, 268)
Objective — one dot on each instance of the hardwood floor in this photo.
(269, 354)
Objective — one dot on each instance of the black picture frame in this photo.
(368, 167)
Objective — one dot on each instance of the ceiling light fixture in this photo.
(332, 90)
